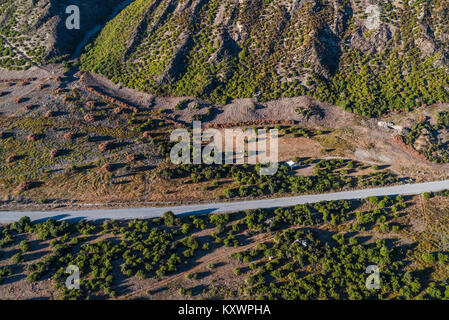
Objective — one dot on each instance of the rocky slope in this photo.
(34, 31)
(367, 56)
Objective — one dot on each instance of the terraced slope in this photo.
(269, 49)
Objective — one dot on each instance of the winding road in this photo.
(223, 207)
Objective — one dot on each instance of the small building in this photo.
(292, 164)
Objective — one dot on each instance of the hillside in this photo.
(34, 31)
(332, 50)
(353, 93)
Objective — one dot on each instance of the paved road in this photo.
(136, 213)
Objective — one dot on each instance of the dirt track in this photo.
(364, 139)
(347, 135)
